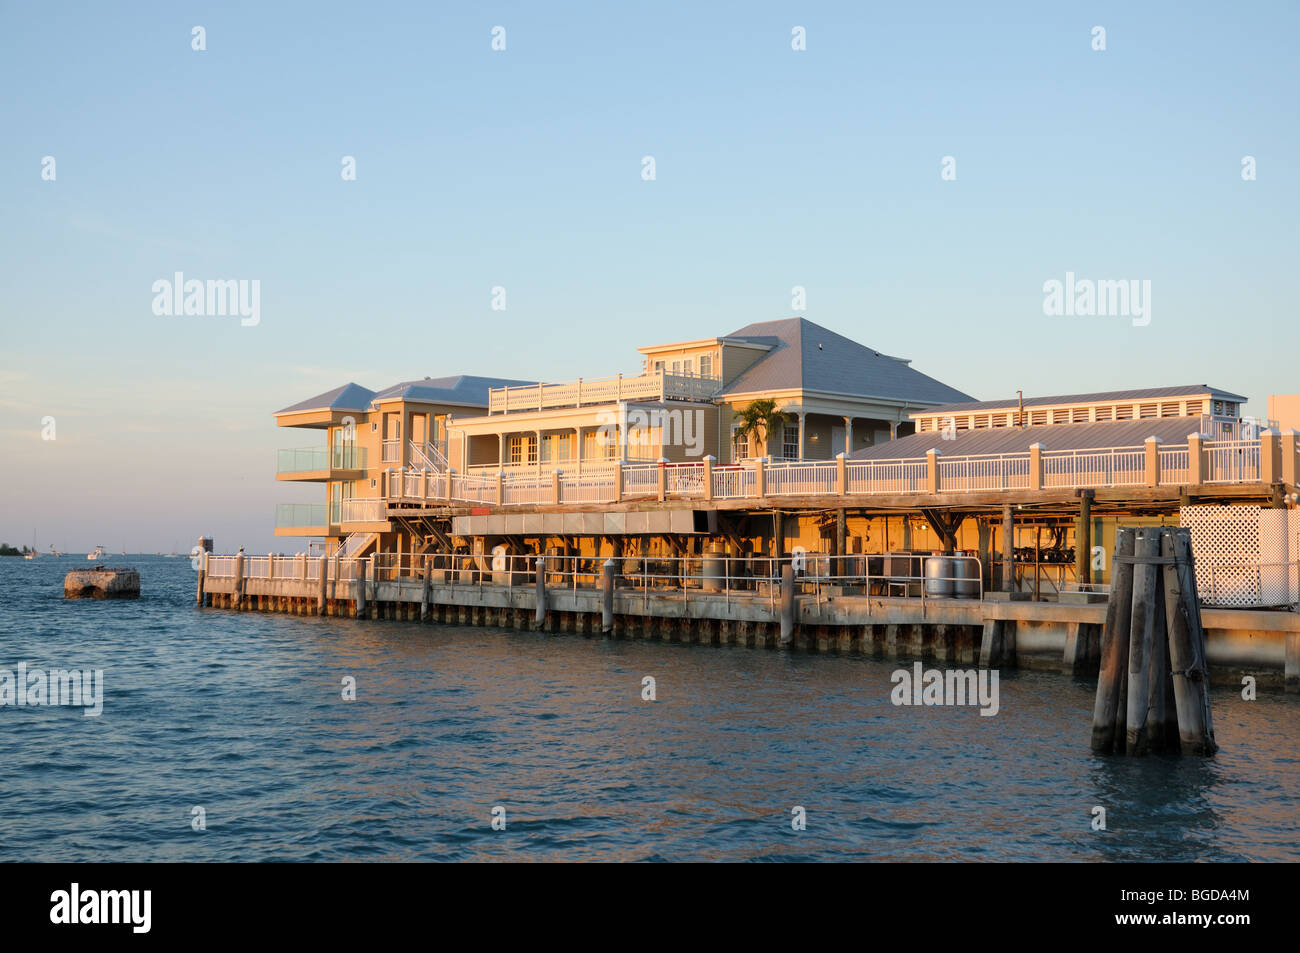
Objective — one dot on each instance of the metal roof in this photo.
(348, 397)
(806, 356)
(462, 389)
(1095, 436)
(1150, 393)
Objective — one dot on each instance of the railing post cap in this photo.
(1153, 439)
(1291, 432)
(1199, 436)
(608, 562)
(1266, 432)
(934, 452)
(710, 458)
(663, 460)
(841, 455)
(1037, 446)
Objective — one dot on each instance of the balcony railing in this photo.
(317, 459)
(363, 511)
(299, 515)
(658, 386)
(598, 481)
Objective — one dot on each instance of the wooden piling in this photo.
(1114, 644)
(1141, 635)
(1187, 646)
(787, 604)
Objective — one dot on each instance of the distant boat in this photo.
(32, 554)
(97, 554)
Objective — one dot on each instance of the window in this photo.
(740, 445)
(556, 447)
(677, 367)
(659, 366)
(706, 365)
(686, 367)
(521, 448)
(790, 441)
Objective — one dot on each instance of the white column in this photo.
(848, 436)
(802, 415)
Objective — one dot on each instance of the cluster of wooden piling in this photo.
(1153, 687)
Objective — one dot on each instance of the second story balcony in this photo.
(320, 463)
(656, 386)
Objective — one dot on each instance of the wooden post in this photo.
(607, 598)
(1083, 540)
(540, 616)
(323, 583)
(239, 580)
(787, 604)
(1114, 644)
(203, 575)
(1187, 646)
(778, 535)
(1008, 550)
(360, 583)
(1141, 634)
(841, 532)
(426, 589)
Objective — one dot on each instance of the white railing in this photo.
(364, 511)
(221, 565)
(656, 386)
(1229, 462)
(391, 451)
(886, 476)
(995, 471)
(684, 479)
(427, 457)
(1174, 465)
(732, 483)
(354, 543)
(641, 479)
(1232, 461)
(595, 487)
(529, 486)
(1113, 466)
(804, 479)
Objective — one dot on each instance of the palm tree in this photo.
(758, 420)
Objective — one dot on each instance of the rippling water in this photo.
(242, 714)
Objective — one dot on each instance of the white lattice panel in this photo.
(1245, 555)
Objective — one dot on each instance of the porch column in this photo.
(893, 430)
(848, 436)
(576, 455)
(501, 450)
(802, 416)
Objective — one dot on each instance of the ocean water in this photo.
(243, 716)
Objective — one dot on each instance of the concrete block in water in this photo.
(101, 583)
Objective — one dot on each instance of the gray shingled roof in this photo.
(462, 389)
(1112, 433)
(1150, 393)
(348, 397)
(807, 356)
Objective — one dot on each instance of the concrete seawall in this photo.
(989, 633)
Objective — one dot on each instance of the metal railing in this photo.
(364, 511)
(1228, 462)
(1112, 466)
(803, 479)
(1232, 461)
(391, 451)
(655, 386)
(425, 456)
(997, 471)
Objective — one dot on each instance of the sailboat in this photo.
(97, 554)
(32, 553)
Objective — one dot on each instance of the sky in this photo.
(477, 168)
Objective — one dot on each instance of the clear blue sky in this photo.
(522, 169)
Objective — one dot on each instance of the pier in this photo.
(677, 601)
